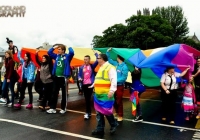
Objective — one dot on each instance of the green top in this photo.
(60, 67)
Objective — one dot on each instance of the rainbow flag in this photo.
(135, 100)
(103, 104)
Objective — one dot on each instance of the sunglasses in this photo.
(98, 58)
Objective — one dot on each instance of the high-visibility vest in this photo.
(102, 82)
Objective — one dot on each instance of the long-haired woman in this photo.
(46, 66)
(9, 80)
(28, 77)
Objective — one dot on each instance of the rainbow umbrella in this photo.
(77, 60)
(179, 56)
(132, 56)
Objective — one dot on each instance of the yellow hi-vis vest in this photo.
(102, 82)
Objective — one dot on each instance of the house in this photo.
(45, 46)
(195, 38)
(2, 54)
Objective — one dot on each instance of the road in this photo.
(34, 124)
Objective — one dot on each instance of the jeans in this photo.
(138, 107)
(39, 88)
(59, 83)
(23, 89)
(78, 85)
(87, 94)
(5, 87)
(2, 87)
(48, 90)
(118, 100)
(101, 121)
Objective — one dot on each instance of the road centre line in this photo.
(146, 122)
(50, 130)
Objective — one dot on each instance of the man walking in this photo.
(86, 75)
(105, 85)
(122, 73)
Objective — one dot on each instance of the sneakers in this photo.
(51, 111)
(29, 106)
(164, 119)
(172, 122)
(10, 105)
(87, 116)
(119, 119)
(2, 100)
(63, 111)
(138, 119)
(17, 106)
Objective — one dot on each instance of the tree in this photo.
(144, 32)
(97, 41)
(175, 16)
(148, 32)
(113, 36)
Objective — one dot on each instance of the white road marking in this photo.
(146, 122)
(50, 130)
(196, 136)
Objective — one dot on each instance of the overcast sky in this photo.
(75, 22)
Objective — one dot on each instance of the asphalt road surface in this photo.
(37, 125)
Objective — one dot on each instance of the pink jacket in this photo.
(189, 95)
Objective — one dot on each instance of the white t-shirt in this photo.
(167, 80)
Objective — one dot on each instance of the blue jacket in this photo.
(30, 69)
(93, 66)
(67, 60)
(122, 70)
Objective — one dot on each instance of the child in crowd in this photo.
(189, 99)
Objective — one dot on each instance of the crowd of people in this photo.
(108, 83)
